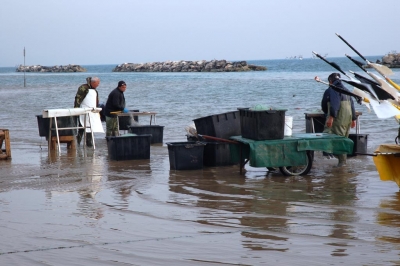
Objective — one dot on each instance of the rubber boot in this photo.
(89, 141)
(79, 136)
(342, 160)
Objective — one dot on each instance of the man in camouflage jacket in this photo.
(83, 90)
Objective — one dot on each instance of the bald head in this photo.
(94, 82)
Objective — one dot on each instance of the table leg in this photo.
(312, 124)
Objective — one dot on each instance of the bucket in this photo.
(288, 125)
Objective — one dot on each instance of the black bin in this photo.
(316, 119)
(222, 125)
(128, 147)
(360, 143)
(185, 155)
(156, 131)
(218, 154)
(125, 122)
(262, 124)
(64, 121)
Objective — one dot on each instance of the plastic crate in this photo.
(262, 124)
(185, 155)
(218, 154)
(156, 131)
(317, 119)
(124, 122)
(129, 147)
(222, 125)
(64, 121)
(360, 143)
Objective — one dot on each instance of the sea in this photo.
(80, 207)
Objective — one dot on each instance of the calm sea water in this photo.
(80, 208)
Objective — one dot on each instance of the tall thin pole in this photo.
(24, 69)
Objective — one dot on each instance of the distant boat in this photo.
(295, 57)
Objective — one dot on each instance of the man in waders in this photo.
(115, 104)
(339, 112)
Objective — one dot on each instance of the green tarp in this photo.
(289, 151)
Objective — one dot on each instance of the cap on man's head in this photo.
(334, 76)
(120, 83)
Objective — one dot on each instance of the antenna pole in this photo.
(24, 69)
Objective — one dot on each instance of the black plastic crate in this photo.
(262, 124)
(318, 120)
(218, 154)
(156, 131)
(222, 125)
(185, 155)
(64, 121)
(360, 143)
(128, 147)
(124, 122)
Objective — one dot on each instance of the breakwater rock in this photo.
(189, 66)
(391, 60)
(39, 68)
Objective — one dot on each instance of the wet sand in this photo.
(80, 208)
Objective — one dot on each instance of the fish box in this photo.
(124, 122)
(218, 154)
(222, 125)
(262, 124)
(186, 155)
(64, 121)
(360, 143)
(155, 131)
(128, 147)
(315, 122)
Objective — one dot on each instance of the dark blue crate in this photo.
(129, 147)
(222, 125)
(157, 132)
(185, 155)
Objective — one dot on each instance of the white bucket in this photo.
(288, 125)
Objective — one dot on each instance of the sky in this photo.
(89, 32)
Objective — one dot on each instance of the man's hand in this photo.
(329, 122)
(353, 124)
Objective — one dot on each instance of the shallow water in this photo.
(80, 208)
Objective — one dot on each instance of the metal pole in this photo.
(24, 69)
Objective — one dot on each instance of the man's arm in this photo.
(80, 95)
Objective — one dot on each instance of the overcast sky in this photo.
(85, 32)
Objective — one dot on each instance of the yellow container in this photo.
(387, 162)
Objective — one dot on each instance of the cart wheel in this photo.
(298, 170)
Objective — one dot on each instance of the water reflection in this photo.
(389, 215)
(269, 206)
(71, 171)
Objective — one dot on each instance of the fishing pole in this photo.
(381, 69)
(387, 71)
(333, 64)
(382, 89)
(358, 98)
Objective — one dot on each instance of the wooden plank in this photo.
(5, 138)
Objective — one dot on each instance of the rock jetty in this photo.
(189, 66)
(391, 60)
(39, 68)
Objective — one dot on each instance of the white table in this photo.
(54, 113)
(132, 114)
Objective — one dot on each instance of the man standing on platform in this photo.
(115, 104)
(87, 96)
(339, 111)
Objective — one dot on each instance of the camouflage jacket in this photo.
(82, 92)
